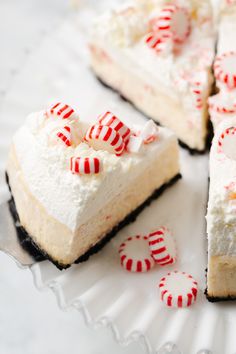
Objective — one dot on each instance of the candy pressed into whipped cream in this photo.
(68, 197)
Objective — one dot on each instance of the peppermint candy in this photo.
(103, 137)
(115, 123)
(225, 69)
(149, 133)
(162, 246)
(64, 135)
(222, 104)
(135, 255)
(160, 43)
(85, 165)
(196, 88)
(60, 110)
(227, 143)
(174, 20)
(135, 144)
(178, 289)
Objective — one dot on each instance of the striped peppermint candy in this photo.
(60, 110)
(175, 20)
(149, 132)
(160, 43)
(115, 123)
(196, 88)
(103, 137)
(227, 143)
(85, 165)
(178, 289)
(64, 135)
(162, 246)
(222, 104)
(225, 69)
(135, 255)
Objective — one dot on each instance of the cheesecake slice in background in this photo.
(158, 55)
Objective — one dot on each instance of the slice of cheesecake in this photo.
(75, 185)
(221, 214)
(158, 55)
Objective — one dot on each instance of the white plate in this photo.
(100, 288)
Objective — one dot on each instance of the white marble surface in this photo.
(30, 321)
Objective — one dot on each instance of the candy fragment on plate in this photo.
(135, 255)
(162, 246)
(178, 289)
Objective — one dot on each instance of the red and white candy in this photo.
(196, 88)
(162, 246)
(85, 165)
(103, 137)
(227, 143)
(222, 104)
(174, 20)
(149, 133)
(160, 43)
(135, 255)
(115, 123)
(60, 110)
(178, 289)
(225, 69)
(64, 135)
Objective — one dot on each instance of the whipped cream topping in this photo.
(221, 214)
(226, 43)
(73, 199)
(176, 71)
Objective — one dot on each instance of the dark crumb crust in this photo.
(218, 298)
(39, 255)
(181, 143)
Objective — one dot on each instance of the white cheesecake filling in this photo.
(74, 199)
(121, 34)
(221, 214)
